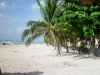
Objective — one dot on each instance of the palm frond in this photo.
(28, 41)
(54, 5)
(36, 24)
(25, 34)
(58, 11)
(38, 34)
(48, 10)
(48, 40)
(32, 38)
(35, 27)
(40, 24)
(47, 35)
(43, 13)
(32, 29)
(39, 30)
(31, 23)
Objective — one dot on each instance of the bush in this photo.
(82, 48)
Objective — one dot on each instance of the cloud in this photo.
(8, 19)
(17, 30)
(10, 31)
(20, 29)
(4, 5)
(42, 2)
(13, 5)
(4, 18)
(35, 6)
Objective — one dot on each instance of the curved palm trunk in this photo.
(57, 45)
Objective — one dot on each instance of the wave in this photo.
(10, 42)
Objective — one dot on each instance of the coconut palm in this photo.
(49, 12)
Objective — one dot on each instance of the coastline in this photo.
(11, 42)
(40, 59)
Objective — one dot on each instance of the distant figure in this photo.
(14, 43)
(4, 43)
(0, 72)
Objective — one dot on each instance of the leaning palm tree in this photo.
(49, 12)
(35, 30)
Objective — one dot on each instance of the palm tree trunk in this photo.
(92, 48)
(54, 46)
(99, 44)
(58, 46)
(56, 41)
(67, 50)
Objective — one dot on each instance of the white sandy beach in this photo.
(40, 59)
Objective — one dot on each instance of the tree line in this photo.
(66, 21)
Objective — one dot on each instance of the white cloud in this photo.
(35, 6)
(10, 31)
(4, 18)
(20, 29)
(4, 5)
(42, 2)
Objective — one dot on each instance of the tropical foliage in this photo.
(82, 19)
(65, 21)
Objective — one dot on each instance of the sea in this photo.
(18, 42)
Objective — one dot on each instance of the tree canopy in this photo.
(84, 20)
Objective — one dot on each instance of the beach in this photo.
(40, 59)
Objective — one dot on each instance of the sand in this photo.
(40, 59)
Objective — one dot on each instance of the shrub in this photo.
(82, 48)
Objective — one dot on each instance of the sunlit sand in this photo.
(40, 59)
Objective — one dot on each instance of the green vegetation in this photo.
(82, 48)
(82, 19)
(66, 21)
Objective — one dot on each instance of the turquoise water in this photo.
(18, 42)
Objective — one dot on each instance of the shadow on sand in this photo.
(63, 53)
(75, 55)
(29, 73)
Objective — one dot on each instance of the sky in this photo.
(14, 15)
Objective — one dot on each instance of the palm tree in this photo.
(49, 12)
